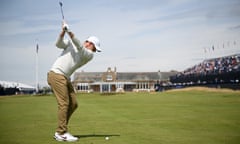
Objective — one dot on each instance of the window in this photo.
(109, 77)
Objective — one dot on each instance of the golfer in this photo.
(73, 56)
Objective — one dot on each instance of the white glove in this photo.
(66, 27)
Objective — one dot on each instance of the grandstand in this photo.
(217, 72)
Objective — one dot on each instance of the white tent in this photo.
(20, 86)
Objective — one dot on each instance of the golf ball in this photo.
(106, 138)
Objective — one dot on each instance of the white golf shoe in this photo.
(65, 137)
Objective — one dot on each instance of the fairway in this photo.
(174, 117)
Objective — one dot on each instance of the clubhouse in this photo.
(113, 81)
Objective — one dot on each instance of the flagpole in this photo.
(37, 86)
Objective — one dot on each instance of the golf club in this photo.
(61, 5)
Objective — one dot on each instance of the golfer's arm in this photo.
(60, 43)
(75, 40)
(71, 34)
(62, 34)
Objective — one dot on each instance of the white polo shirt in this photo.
(73, 56)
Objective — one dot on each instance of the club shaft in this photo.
(60, 3)
(62, 13)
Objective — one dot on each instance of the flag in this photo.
(213, 47)
(60, 3)
(37, 48)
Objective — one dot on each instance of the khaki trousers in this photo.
(66, 99)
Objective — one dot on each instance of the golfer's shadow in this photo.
(97, 135)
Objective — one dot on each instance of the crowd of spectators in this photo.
(223, 69)
(215, 66)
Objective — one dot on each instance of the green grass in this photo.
(176, 117)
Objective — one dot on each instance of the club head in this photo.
(60, 3)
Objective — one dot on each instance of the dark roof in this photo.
(88, 76)
(124, 76)
(137, 76)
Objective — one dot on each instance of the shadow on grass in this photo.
(97, 135)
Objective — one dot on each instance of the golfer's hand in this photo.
(65, 27)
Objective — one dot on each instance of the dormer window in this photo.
(109, 78)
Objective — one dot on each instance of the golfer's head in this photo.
(93, 44)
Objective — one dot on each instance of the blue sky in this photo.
(135, 35)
